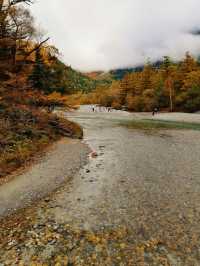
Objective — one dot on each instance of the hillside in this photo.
(99, 78)
(94, 74)
(32, 83)
(80, 82)
(118, 74)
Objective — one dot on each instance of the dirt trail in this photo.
(136, 203)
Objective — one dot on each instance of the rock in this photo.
(47, 200)
(174, 260)
(94, 154)
(102, 147)
(55, 227)
(87, 171)
(11, 244)
(52, 242)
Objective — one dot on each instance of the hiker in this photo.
(155, 111)
(50, 108)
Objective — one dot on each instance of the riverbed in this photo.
(136, 201)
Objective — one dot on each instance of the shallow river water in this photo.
(147, 182)
(140, 196)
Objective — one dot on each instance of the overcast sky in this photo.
(108, 34)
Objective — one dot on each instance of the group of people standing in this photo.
(101, 109)
(98, 108)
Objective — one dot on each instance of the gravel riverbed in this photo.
(136, 203)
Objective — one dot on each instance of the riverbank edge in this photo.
(54, 178)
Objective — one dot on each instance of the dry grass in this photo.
(26, 129)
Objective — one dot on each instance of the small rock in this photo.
(12, 243)
(94, 154)
(55, 227)
(101, 147)
(52, 242)
(47, 200)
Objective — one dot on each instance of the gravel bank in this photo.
(64, 159)
(136, 204)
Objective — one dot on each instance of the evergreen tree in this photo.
(38, 77)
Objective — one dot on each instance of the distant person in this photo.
(93, 110)
(50, 108)
(155, 111)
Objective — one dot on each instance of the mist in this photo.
(108, 34)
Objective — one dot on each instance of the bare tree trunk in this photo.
(170, 89)
(37, 47)
(1, 5)
(13, 53)
(171, 99)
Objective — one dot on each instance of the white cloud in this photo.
(106, 34)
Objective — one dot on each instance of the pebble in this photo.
(94, 154)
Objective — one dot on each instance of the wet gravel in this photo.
(60, 163)
(136, 203)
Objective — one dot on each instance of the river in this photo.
(145, 183)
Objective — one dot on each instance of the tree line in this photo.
(170, 86)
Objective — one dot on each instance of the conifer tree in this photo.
(38, 77)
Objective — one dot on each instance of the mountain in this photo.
(77, 81)
(98, 78)
(118, 74)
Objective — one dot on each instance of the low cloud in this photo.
(108, 34)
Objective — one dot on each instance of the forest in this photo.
(168, 86)
(33, 81)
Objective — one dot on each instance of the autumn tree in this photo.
(23, 30)
(167, 72)
(6, 8)
(17, 31)
(189, 64)
(190, 97)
